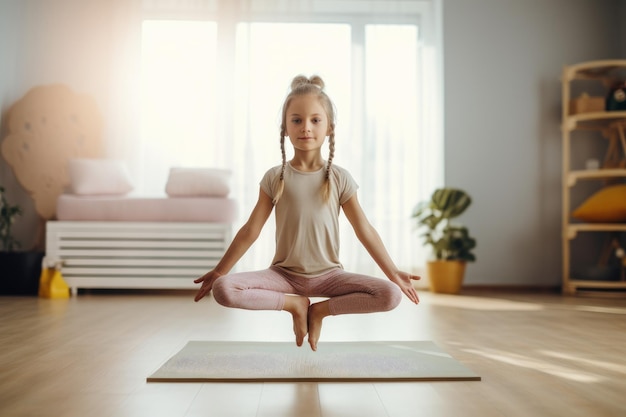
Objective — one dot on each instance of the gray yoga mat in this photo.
(207, 361)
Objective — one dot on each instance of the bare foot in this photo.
(298, 306)
(317, 312)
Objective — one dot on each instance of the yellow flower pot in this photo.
(445, 276)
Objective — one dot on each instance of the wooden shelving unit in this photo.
(606, 72)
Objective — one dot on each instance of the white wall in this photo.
(11, 41)
(502, 63)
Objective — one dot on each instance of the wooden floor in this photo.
(538, 355)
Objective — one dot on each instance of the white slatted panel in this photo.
(134, 254)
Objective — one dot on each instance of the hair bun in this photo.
(300, 81)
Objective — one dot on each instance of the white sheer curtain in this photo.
(214, 76)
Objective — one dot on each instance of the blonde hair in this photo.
(301, 86)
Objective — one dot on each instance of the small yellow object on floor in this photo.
(52, 284)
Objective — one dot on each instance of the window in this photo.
(179, 98)
(213, 92)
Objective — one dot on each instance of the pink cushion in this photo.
(99, 177)
(199, 182)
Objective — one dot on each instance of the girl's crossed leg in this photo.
(271, 289)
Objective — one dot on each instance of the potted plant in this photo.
(451, 243)
(19, 270)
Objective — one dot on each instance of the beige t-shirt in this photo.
(307, 228)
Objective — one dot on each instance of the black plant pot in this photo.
(19, 272)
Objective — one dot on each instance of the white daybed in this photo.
(126, 242)
(105, 238)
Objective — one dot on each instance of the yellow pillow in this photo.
(606, 205)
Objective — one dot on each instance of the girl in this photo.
(307, 193)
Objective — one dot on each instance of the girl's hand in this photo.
(403, 280)
(207, 281)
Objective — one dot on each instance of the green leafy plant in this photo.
(8, 213)
(448, 241)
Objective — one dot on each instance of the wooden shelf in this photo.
(609, 125)
(574, 228)
(593, 70)
(594, 174)
(594, 120)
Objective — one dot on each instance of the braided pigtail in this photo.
(281, 181)
(331, 155)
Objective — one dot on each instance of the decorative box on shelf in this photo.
(587, 104)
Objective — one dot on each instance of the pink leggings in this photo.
(266, 290)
